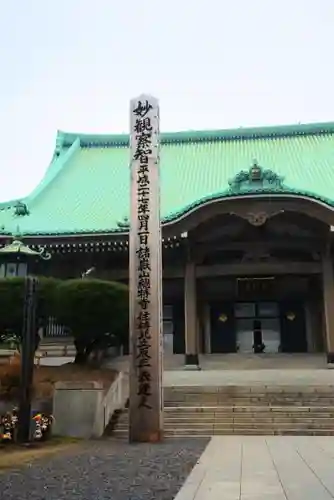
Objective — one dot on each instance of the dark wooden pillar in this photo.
(190, 317)
(328, 293)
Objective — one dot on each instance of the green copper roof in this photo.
(86, 187)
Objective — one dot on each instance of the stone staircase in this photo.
(56, 348)
(258, 410)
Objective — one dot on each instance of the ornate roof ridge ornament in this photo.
(21, 209)
(17, 247)
(124, 223)
(256, 178)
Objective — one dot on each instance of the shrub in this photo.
(10, 378)
(11, 306)
(46, 292)
(96, 311)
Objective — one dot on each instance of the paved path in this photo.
(238, 361)
(263, 468)
(243, 371)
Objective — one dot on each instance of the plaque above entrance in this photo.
(255, 287)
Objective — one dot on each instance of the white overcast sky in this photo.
(75, 64)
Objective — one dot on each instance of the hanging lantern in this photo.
(291, 316)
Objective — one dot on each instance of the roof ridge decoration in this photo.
(254, 179)
(124, 223)
(21, 209)
(59, 143)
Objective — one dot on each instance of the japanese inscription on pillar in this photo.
(145, 273)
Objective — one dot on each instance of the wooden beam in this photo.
(123, 274)
(259, 269)
(308, 244)
(242, 269)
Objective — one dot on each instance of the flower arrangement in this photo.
(9, 425)
(43, 424)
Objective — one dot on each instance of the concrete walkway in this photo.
(223, 370)
(244, 362)
(263, 468)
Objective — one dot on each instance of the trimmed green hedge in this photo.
(95, 311)
(11, 306)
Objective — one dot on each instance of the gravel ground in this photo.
(107, 470)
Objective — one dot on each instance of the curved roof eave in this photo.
(260, 193)
(208, 200)
(176, 217)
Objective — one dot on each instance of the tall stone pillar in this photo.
(145, 274)
(190, 311)
(328, 288)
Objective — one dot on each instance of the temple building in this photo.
(247, 226)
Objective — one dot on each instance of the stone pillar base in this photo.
(192, 362)
(330, 358)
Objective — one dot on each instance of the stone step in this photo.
(232, 394)
(239, 417)
(258, 420)
(125, 437)
(243, 394)
(286, 401)
(241, 389)
(253, 395)
(248, 408)
(244, 415)
(256, 410)
(260, 410)
(179, 433)
(242, 401)
(255, 402)
(251, 411)
(240, 421)
(273, 417)
(253, 419)
(217, 420)
(303, 391)
(57, 350)
(240, 425)
(233, 428)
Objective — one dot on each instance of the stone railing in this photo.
(114, 399)
(84, 410)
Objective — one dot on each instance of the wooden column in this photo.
(328, 288)
(207, 328)
(190, 311)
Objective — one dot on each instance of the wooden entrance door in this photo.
(223, 338)
(293, 327)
